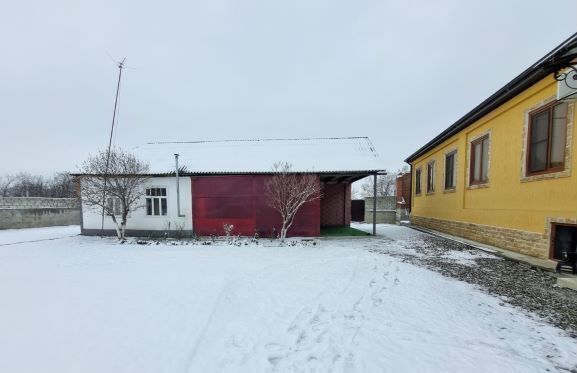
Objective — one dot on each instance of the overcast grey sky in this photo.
(398, 72)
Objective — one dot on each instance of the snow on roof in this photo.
(322, 155)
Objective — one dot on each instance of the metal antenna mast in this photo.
(120, 66)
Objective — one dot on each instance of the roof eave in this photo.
(232, 173)
(553, 61)
(500, 97)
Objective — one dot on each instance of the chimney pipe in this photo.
(177, 187)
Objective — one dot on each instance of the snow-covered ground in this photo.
(83, 304)
(11, 236)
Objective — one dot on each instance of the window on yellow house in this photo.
(418, 181)
(431, 177)
(479, 161)
(450, 170)
(546, 140)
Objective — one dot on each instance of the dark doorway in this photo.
(358, 210)
(564, 240)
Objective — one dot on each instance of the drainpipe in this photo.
(411, 195)
(177, 188)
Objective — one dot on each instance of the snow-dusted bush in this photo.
(113, 183)
(287, 191)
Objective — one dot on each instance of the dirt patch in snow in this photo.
(516, 283)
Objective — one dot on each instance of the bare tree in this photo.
(61, 185)
(24, 184)
(28, 185)
(356, 192)
(287, 191)
(113, 184)
(6, 182)
(386, 185)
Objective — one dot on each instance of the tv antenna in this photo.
(120, 66)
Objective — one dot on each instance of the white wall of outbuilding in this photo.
(138, 220)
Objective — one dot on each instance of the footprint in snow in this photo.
(299, 318)
(275, 352)
(301, 338)
(274, 360)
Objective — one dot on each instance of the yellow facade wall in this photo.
(509, 200)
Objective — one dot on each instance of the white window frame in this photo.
(116, 205)
(149, 196)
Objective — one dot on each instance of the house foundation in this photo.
(523, 242)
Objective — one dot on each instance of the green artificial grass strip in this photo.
(341, 231)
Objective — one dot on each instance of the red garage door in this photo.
(240, 201)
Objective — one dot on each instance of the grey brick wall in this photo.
(34, 218)
(383, 203)
(37, 202)
(32, 212)
(386, 210)
(383, 217)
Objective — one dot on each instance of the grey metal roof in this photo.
(316, 155)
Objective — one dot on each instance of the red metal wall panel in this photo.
(240, 200)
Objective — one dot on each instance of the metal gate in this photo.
(358, 210)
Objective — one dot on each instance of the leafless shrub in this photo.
(25, 184)
(287, 191)
(6, 182)
(386, 185)
(115, 186)
(228, 228)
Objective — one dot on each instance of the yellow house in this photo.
(505, 173)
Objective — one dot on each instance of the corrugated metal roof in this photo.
(319, 155)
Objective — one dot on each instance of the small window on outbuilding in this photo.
(156, 202)
(113, 204)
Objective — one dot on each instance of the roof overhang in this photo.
(559, 58)
(330, 177)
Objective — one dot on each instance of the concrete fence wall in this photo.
(38, 202)
(383, 203)
(32, 212)
(386, 210)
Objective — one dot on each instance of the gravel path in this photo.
(516, 283)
